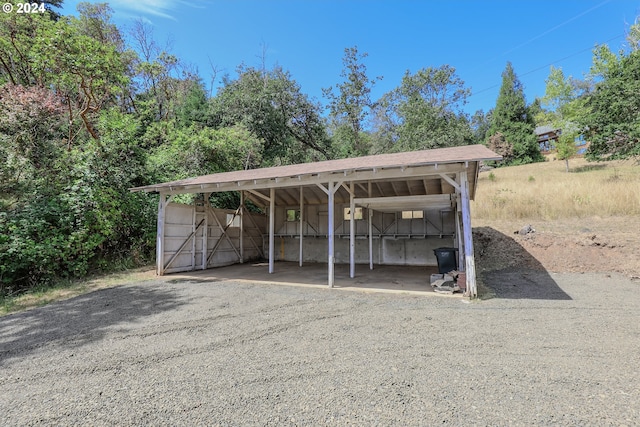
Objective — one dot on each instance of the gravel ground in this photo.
(548, 349)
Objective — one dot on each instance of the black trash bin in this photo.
(446, 259)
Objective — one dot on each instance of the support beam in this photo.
(260, 195)
(205, 231)
(272, 219)
(301, 224)
(459, 238)
(330, 209)
(241, 227)
(193, 242)
(370, 224)
(162, 206)
(370, 215)
(450, 181)
(470, 266)
(352, 232)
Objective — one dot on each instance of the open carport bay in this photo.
(182, 351)
(383, 278)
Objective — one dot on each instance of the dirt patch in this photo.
(582, 245)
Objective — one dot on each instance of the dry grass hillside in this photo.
(586, 220)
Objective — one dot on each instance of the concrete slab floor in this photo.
(383, 278)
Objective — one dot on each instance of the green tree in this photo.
(613, 111)
(18, 32)
(88, 73)
(480, 124)
(512, 119)
(31, 130)
(566, 107)
(271, 106)
(351, 105)
(197, 151)
(424, 112)
(157, 73)
(192, 105)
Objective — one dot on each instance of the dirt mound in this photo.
(570, 246)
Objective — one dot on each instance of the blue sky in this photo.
(308, 37)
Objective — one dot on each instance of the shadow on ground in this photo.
(80, 320)
(509, 271)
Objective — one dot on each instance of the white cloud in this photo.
(158, 8)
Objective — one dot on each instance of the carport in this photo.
(385, 209)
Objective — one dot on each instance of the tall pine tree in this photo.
(512, 131)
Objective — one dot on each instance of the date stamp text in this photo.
(23, 8)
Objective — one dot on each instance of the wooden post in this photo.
(205, 231)
(301, 224)
(162, 205)
(370, 214)
(272, 207)
(459, 239)
(330, 208)
(193, 242)
(352, 232)
(470, 266)
(460, 242)
(241, 227)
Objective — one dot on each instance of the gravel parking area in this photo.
(547, 349)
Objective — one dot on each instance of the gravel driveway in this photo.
(560, 349)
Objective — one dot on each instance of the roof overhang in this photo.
(409, 174)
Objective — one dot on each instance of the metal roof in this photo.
(395, 174)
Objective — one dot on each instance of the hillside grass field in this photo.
(545, 191)
(585, 220)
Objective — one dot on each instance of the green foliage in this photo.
(84, 217)
(480, 124)
(513, 120)
(350, 107)
(194, 152)
(271, 106)
(566, 103)
(424, 112)
(613, 111)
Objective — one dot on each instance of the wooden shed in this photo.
(383, 209)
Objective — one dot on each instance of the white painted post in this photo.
(330, 208)
(162, 206)
(370, 214)
(160, 236)
(205, 231)
(272, 207)
(242, 227)
(460, 243)
(301, 224)
(193, 241)
(470, 266)
(352, 233)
